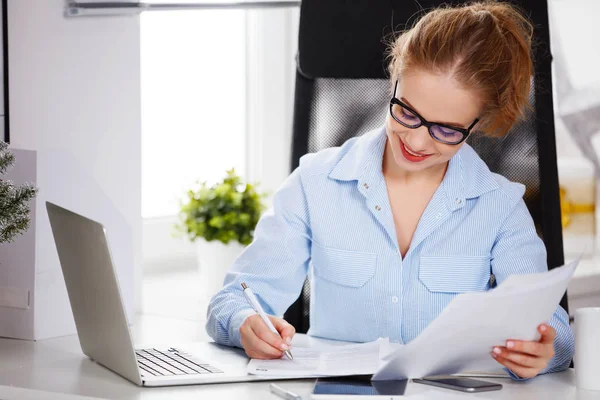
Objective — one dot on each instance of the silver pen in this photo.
(259, 310)
(284, 394)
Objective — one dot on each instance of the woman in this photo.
(397, 222)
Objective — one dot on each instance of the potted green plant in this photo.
(221, 219)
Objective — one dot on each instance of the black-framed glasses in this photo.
(409, 118)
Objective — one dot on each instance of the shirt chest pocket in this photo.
(455, 274)
(343, 267)
(343, 294)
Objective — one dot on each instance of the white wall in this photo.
(573, 23)
(1, 80)
(75, 96)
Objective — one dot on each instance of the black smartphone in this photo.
(462, 384)
(359, 387)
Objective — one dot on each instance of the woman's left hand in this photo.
(527, 359)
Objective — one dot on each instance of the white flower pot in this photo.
(214, 260)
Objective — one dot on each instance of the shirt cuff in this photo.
(516, 377)
(235, 323)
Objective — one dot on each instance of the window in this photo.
(193, 73)
(217, 93)
(576, 81)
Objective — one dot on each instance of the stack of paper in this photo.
(351, 359)
(461, 338)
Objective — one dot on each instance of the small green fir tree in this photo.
(14, 200)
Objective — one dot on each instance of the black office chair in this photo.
(342, 90)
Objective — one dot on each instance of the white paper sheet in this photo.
(463, 335)
(351, 359)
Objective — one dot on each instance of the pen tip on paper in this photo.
(289, 355)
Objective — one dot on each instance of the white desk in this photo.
(57, 365)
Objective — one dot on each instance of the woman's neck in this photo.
(393, 172)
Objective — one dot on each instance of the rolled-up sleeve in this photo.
(519, 250)
(274, 265)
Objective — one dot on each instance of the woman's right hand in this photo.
(258, 340)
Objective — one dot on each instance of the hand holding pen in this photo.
(264, 336)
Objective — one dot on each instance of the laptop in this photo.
(101, 320)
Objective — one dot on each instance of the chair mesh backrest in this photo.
(342, 90)
(344, 108)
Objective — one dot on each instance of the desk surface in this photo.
(58, 365)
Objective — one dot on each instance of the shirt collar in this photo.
(362, 161)
(467, 175)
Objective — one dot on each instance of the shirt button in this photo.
(458, 201)
(438, 216)
(378, 208)
(394, 299)
(366, 186)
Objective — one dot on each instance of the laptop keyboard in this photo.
(153, 362)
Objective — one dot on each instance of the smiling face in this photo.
(437, 98)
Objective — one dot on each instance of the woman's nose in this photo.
(418, 139)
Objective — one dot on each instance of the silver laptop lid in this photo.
(93, 291)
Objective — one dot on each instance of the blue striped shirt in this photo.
(331, 220)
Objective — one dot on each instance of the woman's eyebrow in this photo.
(456, 124)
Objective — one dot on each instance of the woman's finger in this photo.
(260, 329)
(520, 371)
(256, 347)
(253, 344)
(543, 348)
(521, 359)
(272, 339)
(285, 329)
(548, 334)
(532, 348)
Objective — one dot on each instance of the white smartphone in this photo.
(359, 387)
(461, 384)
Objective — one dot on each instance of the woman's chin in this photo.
(406, 165)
